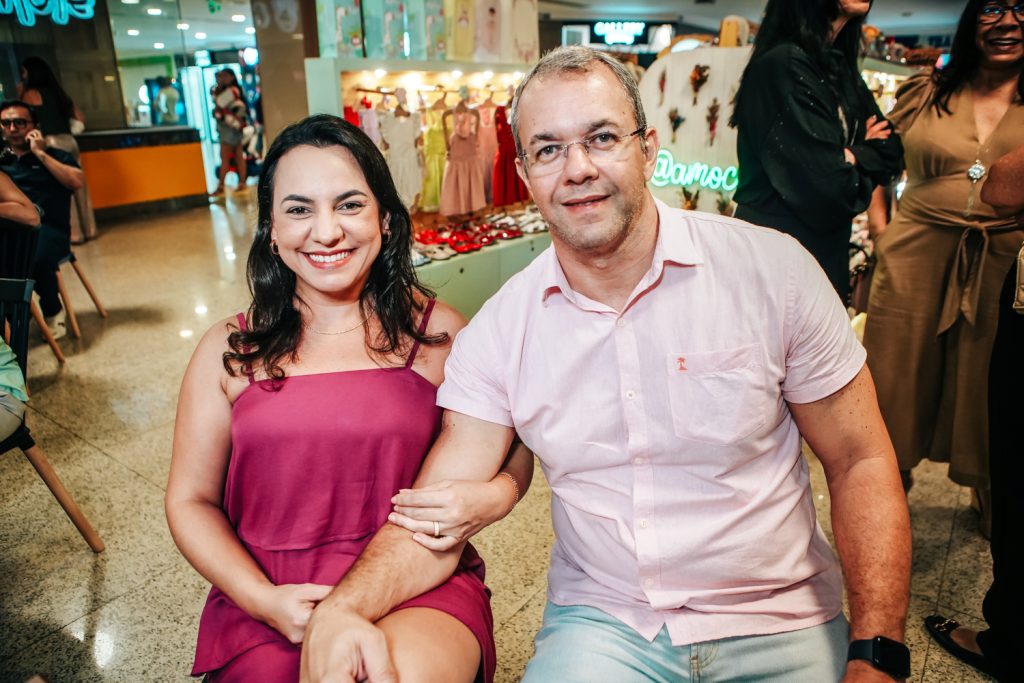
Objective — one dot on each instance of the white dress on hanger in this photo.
(400, 132)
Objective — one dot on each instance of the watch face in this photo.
(892, 657)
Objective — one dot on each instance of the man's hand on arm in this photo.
(69, 176)
(341, 642)
(870, 521)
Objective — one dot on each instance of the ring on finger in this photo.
(437, 529)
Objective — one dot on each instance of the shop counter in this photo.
(137, 170)
(466, 281)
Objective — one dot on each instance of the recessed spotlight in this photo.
(200, 35)
(456, 74)
(130, 2)
(185, 334)
(158, 46)
(238, 18)
(182, 26)
(201, 309)
(488, 74)
(132, 31)
(250, 30)
(154, 11)
(380, 73)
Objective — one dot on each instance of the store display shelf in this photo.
(468, 280)
(328, 77)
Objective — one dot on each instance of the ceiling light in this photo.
(250, 30)
(380, 73)
(182, 26)
(488, 74)
(158, 46)
(130, 2)
(132, 31)
(456, 74)
(200, 35)
(238, 18)
(154, 11)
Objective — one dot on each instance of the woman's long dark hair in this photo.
(964, 60)
(808, 25)
(39, 75)
(390, 293)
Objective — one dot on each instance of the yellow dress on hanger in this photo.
(434, 151)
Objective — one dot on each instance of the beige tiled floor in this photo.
(106, 418)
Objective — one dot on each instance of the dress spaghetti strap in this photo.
(421, 331)
(242, 327)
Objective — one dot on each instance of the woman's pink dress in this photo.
(313, 467)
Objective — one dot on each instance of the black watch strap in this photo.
(886, 655)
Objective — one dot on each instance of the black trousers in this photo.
(1003, 608)
(54, 244)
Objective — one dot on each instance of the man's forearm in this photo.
(872, 533)
(393, 568)
(68, 176)
(1004, 188)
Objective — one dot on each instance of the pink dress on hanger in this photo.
(488, 140)
(463, 188)
(309, 482)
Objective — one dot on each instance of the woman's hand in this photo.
(287, 608)
(877, 129)
(848, 154)
(461, 509)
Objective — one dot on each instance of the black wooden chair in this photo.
(17, 254)
(15, 306)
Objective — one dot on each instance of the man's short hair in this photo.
(10, 104)
(578, 59)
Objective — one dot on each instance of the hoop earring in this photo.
(274, 248)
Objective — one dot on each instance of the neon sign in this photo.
(668, 172)
(59, 11)
(619, 32)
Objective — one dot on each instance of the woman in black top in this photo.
(55, 111)
(812, 143)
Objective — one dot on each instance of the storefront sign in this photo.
(59, 11)
(619, 32)
(668, 172)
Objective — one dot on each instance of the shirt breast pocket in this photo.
(718, 397)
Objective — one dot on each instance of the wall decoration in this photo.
(59, 11)
(698, 77)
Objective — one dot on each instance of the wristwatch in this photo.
(888, 656)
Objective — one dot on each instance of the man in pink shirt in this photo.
(663, 366)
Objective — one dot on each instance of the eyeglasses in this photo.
(599, 147)
(992, 13)
(13, 123)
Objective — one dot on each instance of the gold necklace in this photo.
(333, 334)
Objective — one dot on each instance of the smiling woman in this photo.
(942, 260)
(322, 424)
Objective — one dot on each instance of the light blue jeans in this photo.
(585, 645)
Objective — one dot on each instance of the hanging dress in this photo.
(400, 132)
(463, 187)
(434, 152)
(309, 482)
(487, 138)
(506, 187)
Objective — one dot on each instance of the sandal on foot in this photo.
(941, 628)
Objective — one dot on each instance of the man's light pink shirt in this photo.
(680, 496)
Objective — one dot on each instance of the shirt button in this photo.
(643, 523)
(648, 582)
(630, 394)
(620, 322)
(639, 461)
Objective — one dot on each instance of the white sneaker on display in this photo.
(57, 325)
